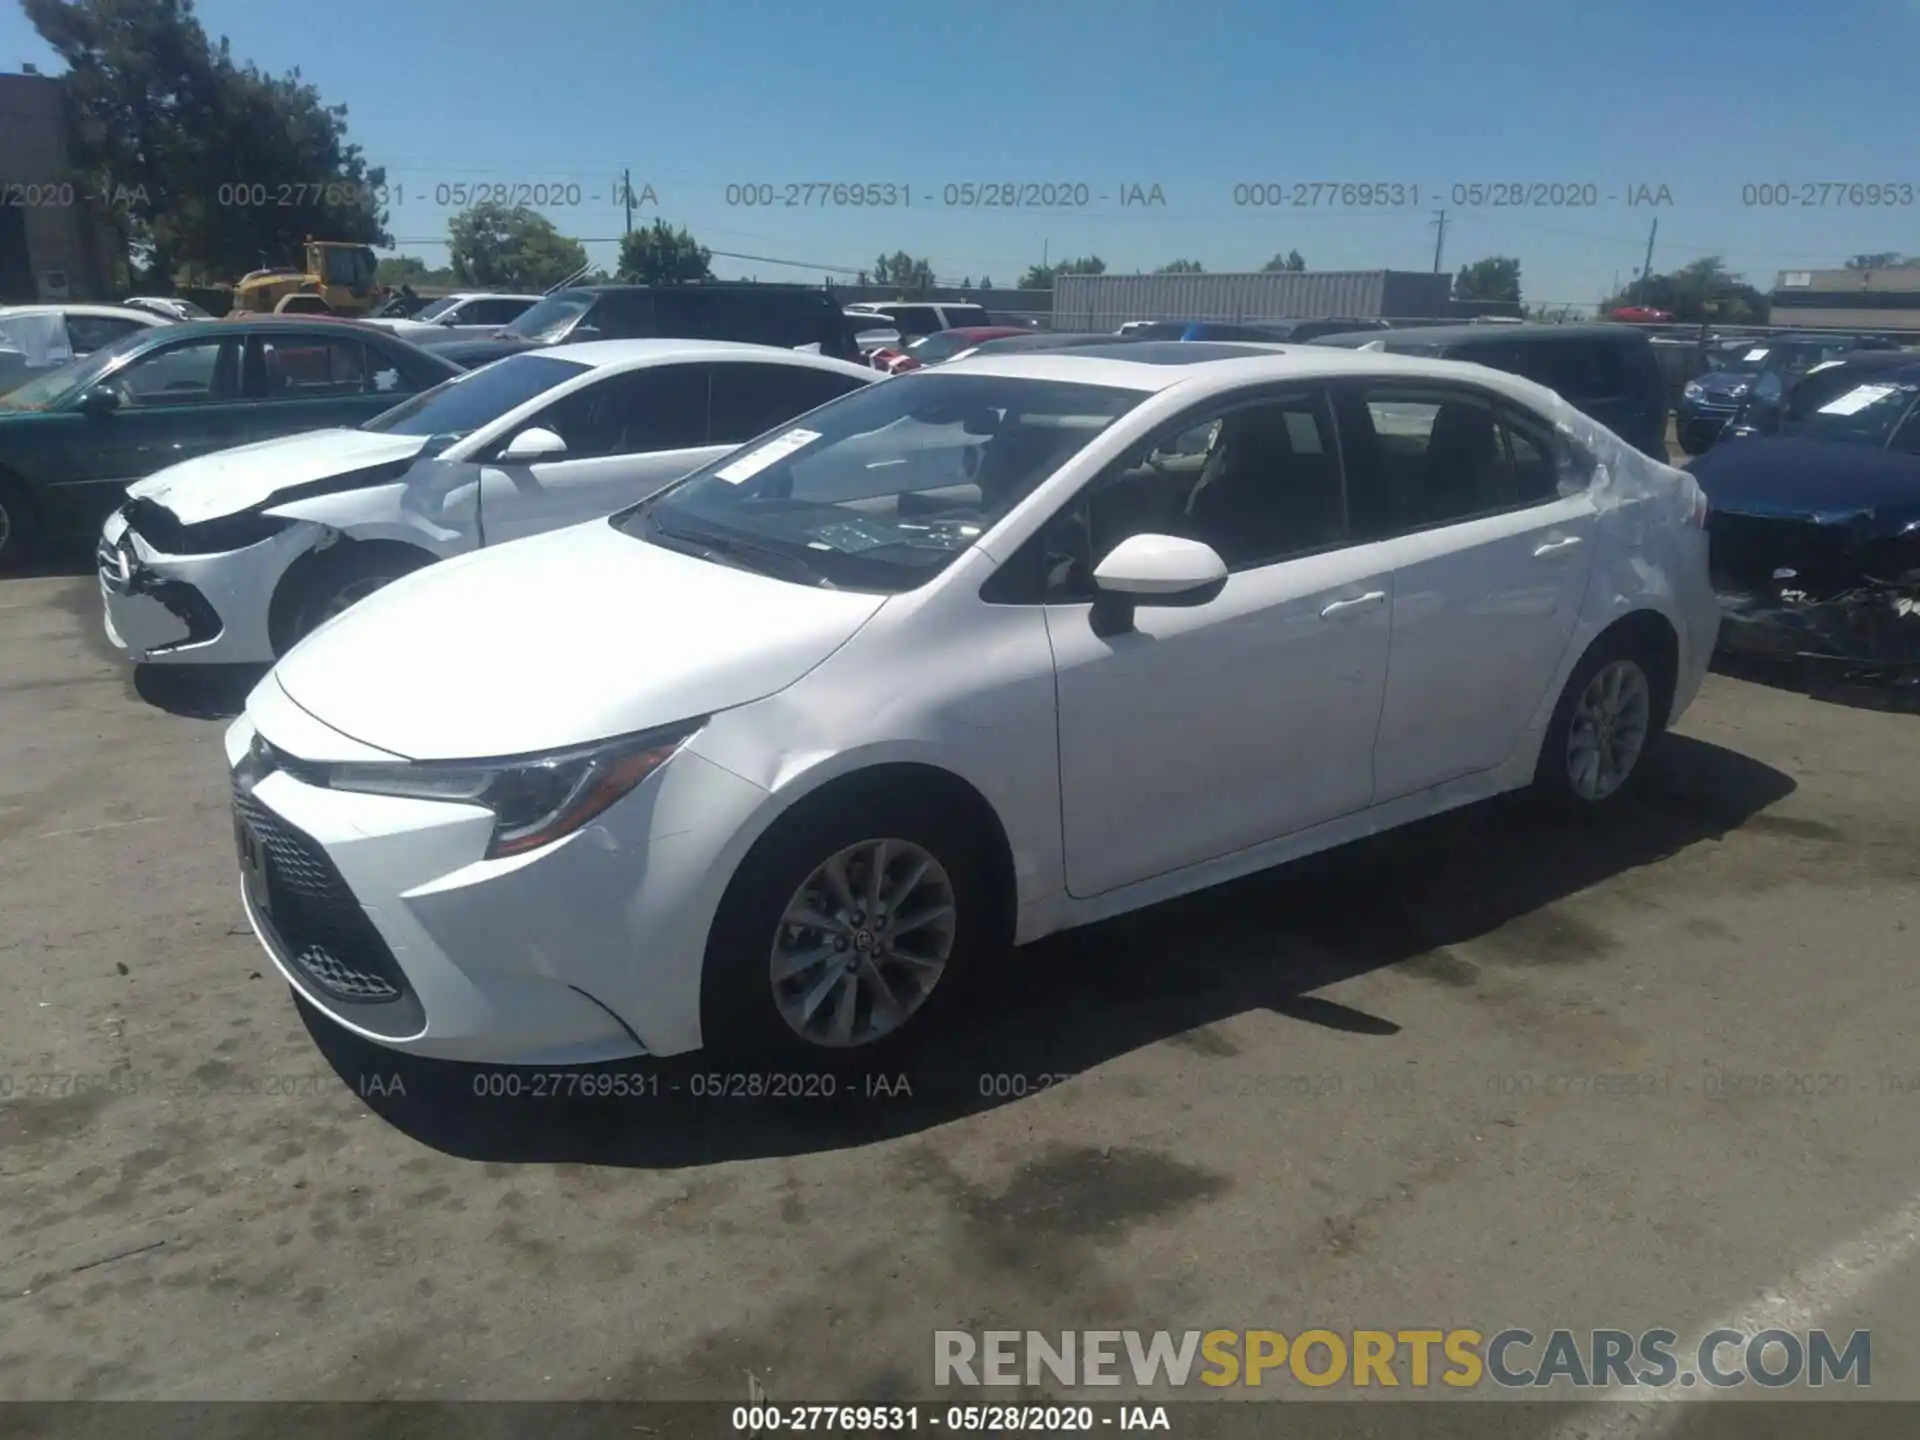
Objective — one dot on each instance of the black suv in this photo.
(792, 316)
(1606, 371)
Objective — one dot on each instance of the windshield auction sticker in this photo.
(1857, 399)
(759, 458)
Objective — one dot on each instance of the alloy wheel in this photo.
(1609, 729)
(863, 942)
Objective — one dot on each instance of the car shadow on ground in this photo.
(1073, 1002)
(1894, 692)
(197, 692)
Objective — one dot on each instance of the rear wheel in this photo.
(846, 932)
(1606, 718)
(17, 529)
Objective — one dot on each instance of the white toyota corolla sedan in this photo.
(768, 762)
(232, 557)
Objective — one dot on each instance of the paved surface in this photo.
(1351, 1093)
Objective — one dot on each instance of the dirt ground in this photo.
(1359, 1091)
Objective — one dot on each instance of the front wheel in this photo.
(1600, 729)
(846, 932)
(332, 586)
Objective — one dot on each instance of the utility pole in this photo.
(1646, 268)
(626, 195)
(1439, 238)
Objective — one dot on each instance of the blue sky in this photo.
(1195, 99)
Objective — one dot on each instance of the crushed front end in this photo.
(1841, 590)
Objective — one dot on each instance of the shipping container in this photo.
(1105, 302)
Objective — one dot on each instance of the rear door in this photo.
(1487, 526)
(317, 382)
(626, 436)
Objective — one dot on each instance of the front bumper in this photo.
(191, 609)
(588, 950)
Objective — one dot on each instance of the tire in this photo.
(19, 532)
(741, 1004)
(1616, 674)
(335, 581)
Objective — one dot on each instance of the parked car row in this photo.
(770, 760)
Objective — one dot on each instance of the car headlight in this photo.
(1739, 390)
(1693, 390)
(535, 800)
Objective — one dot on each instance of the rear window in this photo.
(959, 315)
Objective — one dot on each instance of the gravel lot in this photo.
(1349, 1093)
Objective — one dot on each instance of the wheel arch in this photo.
(811, 792)
(290, 589)
(1655, 635)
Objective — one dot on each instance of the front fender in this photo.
(440, 519)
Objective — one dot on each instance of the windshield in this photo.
(883, 489)
(1847, 407)
(436, 308)
(479, 397)
(47, 391)
(553, 316)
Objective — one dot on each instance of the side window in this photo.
(491, 312)
(662, 407)
(685, 313)
(202, 372)
(1545, 465)
(916, 320)
(1906, 440)
(623, 315)
(88, 333)
(1259, 482)
(786, 320)
(1439, 457)
(749, 400)
(1583, 371)
(299, 368)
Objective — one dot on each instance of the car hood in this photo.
(1820, 480)
(559, 640)
(467, 351)
(230, 481)
(1721, 384)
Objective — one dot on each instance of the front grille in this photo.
(1745, 551)
(325, 933)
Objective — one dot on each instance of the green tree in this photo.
(662, 255)
(206, 166)
(1292, 260)
(903, 272)
(397, 270)
(1496, 278)
(986, 282)
(1041, 277)
(967, 283)
(1702, 290)
(1181, 267)
(510, 248)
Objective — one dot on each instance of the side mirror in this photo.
(1153, 570)
(98, 402)
(531, 445)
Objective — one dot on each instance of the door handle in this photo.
(1556, 547)
(1341, 607)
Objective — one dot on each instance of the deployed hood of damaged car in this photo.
(1810, 479)
(230, 481)
(565, 638)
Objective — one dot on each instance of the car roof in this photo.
(484, 295)
(751, 286)
(1206, 365)
(998, 332)
(1895, 360)
(110, 312)
(1491, 334)
(608, 354)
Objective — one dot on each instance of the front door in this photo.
(1484, 518)
(1206, 730)
(626, 436)
(176, 402)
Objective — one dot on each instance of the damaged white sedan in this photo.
(233, 557)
